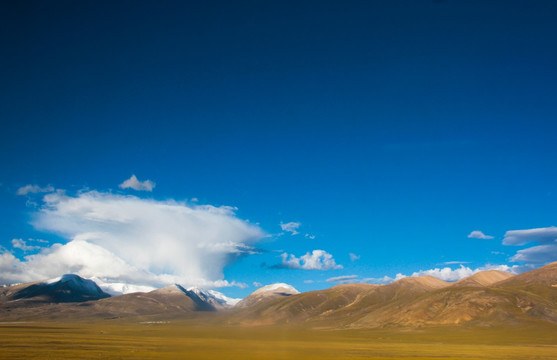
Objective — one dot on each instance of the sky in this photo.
(231, 145)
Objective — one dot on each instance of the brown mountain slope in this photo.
(523, 298)
(484, 278)
(544, 276)
(300, 307)
(168, 302)
(336, 306)
(483, 299)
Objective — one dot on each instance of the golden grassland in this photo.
(190, 340)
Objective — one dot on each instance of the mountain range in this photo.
(488, 298)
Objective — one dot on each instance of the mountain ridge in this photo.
(490, 298)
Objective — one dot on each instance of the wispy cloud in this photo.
(34, 189)
(455, 262)
(134, 183)
(126, 239)
(477, 234)
(291, 227)
(383, 280)
(316, 260)
(354, 257)
(345, 279)
(22, 244)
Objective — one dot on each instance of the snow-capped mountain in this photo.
(212, 297)
(268, 292)
(277, 287)
(67, 288)
(118, 288)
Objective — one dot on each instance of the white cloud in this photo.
(21, 244)
(385, 279)
(309, 236)
(308, 281)
(540, 235)
(290, 227)
(448, 274)
(125, 239)
(316, 260)
(345, 279)
(545, 252)
(24, 190)
(354, 257)
(257, 284)
(455, 262)
(133, 183)
(476, 234)
(537, 255)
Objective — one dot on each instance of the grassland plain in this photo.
(192, 340)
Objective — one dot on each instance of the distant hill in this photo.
(68, 288)
(489, 298)
(484, 278)
(268, 292)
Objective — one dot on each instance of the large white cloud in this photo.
(126, 239)
(316, 260)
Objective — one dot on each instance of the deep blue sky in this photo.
(388, 129)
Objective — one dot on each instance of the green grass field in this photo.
(186, 340)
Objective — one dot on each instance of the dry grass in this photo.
(190, 340)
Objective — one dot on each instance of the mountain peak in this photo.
(66, 288)
(484, 278)
(268, 292)
(277, 287)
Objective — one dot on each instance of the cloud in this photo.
(384, 280)
(290, 227)
(448, 274)
(309, 236)
(522, 237)
(316, 260)
(21, 244)
(476, 234)
(257, 284)
(545, 252)
(455, 262)
(133, 183)
(125, 239)
(24, 190)
(537, 255)
(308, 281)
(345, 279)
(354, 257)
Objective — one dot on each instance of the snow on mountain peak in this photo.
(277, 286)
(214, 297)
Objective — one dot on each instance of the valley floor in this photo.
(184, 340)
